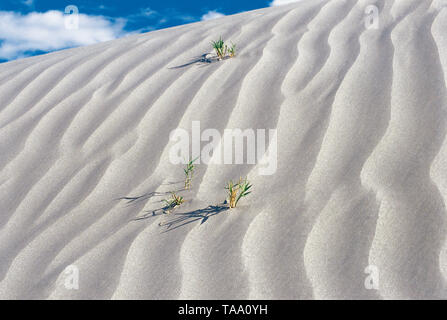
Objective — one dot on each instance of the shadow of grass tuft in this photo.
(202, 215)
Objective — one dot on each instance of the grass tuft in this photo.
(223, 50)
(173, 202)
(219, 47)
(237, 191)
(232, 50)
(189, 172)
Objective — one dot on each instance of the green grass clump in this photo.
(237, 191)
(174, 202)
(223, 50)
(232, 50)
(219, 47)
(189, 172)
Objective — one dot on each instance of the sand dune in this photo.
(361, 178)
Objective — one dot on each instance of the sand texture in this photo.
(361, 178)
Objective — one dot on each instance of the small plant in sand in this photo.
(237, 191)
(232, 50)
(189, 172)
(223, 50)
(219, 47)
(174, 202)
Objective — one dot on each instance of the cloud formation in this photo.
(28, 3)
(36, 31)
(212, 15)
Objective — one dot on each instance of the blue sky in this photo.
(31, 27)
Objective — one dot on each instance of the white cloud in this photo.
(147, 12)
(28, 3)
(47, 32)
(281, 2)
(212, 15)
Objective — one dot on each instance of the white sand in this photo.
(362, 159)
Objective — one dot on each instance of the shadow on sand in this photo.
(183, 219)
(146, 196)
(203, 60)
(178, 220)
(135, 200)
